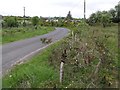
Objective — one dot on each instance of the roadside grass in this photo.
(15, 34)
(43, 69)
(34, 72)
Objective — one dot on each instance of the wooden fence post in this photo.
(64, 55)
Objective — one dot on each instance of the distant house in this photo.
(63, 19)
(51, 19)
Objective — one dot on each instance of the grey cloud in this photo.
(67, 4)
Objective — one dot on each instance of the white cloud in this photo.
(54, 7)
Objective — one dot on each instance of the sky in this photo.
(52, 8)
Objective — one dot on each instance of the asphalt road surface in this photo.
(15, 52)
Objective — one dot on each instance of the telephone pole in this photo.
(84, 13)
(84, 10)
(24, 14)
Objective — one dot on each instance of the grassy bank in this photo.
(33, 73)
(15, 34)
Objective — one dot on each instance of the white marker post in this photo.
(64, 55)
(61, 71)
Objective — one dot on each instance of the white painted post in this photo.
(61, 71)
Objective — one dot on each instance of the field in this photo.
(91, 62)
(15, 34)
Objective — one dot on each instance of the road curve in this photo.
(19, 50)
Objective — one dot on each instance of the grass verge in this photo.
(15, 34)
(33, 73)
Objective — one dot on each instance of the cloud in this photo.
(54, 7)
(66, 4)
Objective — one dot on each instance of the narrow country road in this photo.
(24, 49)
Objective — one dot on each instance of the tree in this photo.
(69, 16)
(92, 19)
(105, 20)
(112, 12)
(11, 21)
(105, 17)
(117, 8)
(98, 16)
(60, 22)
(35, 20)
(42, 21)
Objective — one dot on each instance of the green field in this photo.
(86, 48)
(15, 34)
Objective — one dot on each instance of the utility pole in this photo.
(24, 14)
(84, 10)
(24, 24)
(84, 13)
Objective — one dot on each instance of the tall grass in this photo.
(33, 73)
(15, 34)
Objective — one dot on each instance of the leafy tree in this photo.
(42, 21)
(11, 21)
(105, 20)
(92, 19)
(35, 20)
(99, 17)
(69, 16)
(117, 8)
(60, 22)
(112, 12)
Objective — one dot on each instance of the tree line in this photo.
(105, 18)
(14, 21)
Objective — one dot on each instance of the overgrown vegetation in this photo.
(91, 58)
(90, 54)
(91, 62)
